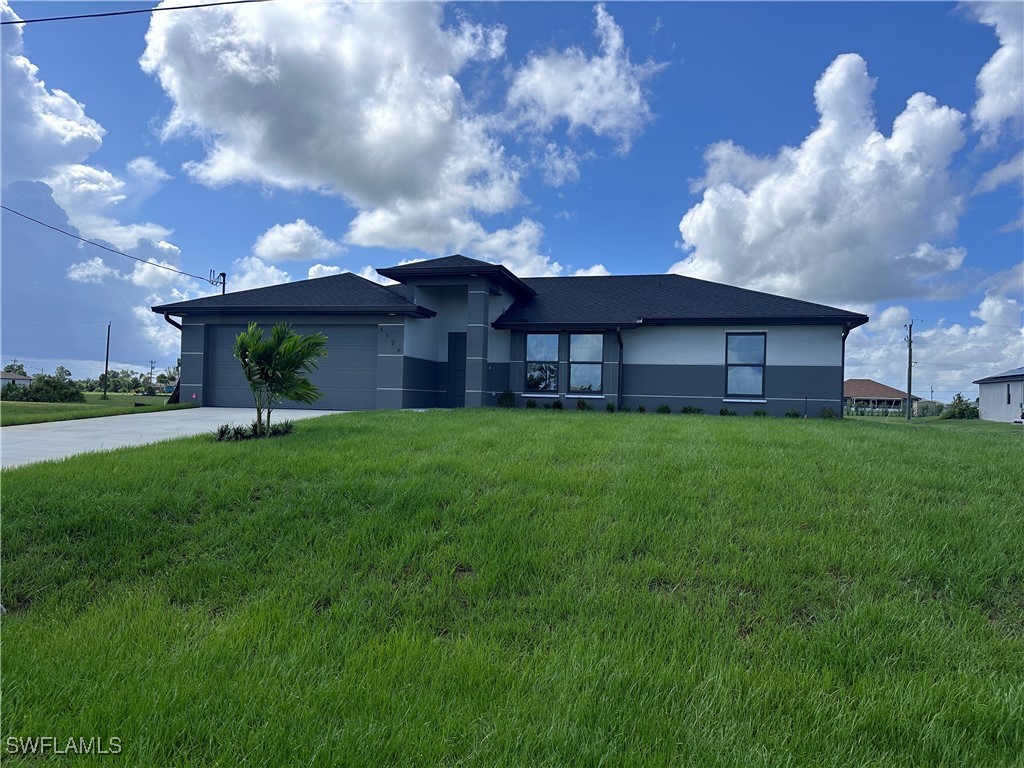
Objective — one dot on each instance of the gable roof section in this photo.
(458, 266)
(630, 300)
(336, 294)
(867, 389)
(1012, 375)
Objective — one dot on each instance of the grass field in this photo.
(525, 588)
(13, 413)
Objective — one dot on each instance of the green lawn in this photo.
(525, 588)
(13, 413)
(954, 425)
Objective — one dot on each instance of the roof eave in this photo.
(524, 325)
(410, 311)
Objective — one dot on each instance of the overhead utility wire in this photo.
(105, 248)
(128, 13)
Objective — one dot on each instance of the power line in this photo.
(112, 250)
(129, 13)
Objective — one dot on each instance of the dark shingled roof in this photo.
(345, 293)
(1013, 375)
(458, 265)
(626, 300)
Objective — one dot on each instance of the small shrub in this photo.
(43, 389)
(726, 412)
(960, 408)
(827, 413)
(664, 409)
(531, 403)
(760, 412)
(282, 428)
(610, 407)
(793, 413)
(641, 409)
(506, 400)
(558, 405)
(582, 405)
(624, 409)
(692, 409)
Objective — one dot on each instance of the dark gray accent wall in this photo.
(803, 388)
(424, 383)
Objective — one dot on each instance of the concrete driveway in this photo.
(29, 443)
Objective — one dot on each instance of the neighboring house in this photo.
(868, 396)
(1001, 397)
(458, 332)
(17, 378)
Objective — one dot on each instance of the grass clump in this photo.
(488, 587)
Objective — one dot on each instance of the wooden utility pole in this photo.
(106, 365)
(910, 365)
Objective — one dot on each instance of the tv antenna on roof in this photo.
(219, 278)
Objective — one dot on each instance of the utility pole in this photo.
(106, 365)
(910, 364)
(151, 364)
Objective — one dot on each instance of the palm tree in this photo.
(275, 368)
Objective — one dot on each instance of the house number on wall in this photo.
(393, 346)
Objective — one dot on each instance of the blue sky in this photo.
(863, 155)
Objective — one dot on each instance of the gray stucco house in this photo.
(1001, 397)
(458, 332)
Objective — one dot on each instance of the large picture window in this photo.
(586, 353)
(744, 364)
(542, 362)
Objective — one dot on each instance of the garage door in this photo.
(347, 375)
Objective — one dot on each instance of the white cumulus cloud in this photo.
(1008, 172)
(323, 270)
(850, 215)
(297, 241)
(42, 128)
(604, 92)
(598, 270)
(92, 270)
(1001, 81)
(252, 272)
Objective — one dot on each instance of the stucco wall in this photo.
(992, 400)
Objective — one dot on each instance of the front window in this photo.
(542, 362)
(744, 364)
(585, 357)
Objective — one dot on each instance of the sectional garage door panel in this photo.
(347, 375)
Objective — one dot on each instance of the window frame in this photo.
(763, 365)
(589, 362)
(527, 362)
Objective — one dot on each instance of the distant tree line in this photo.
(62, 388)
